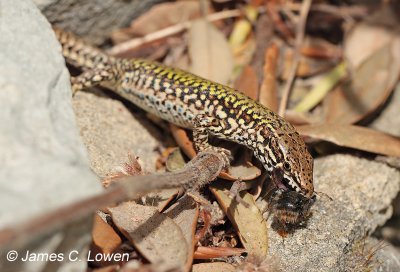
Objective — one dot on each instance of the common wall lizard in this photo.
(207, 108)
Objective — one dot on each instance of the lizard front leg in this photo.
(202, 125)
(91, 78)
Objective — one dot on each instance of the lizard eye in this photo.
(286, 166)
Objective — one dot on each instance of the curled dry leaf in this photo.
(217, 252)
(354, 137)
(217, 266)
(209, 52)
(183, 140)
(156, 236)
(373, 54)
(248, 221)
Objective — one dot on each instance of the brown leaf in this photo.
(242, 170)
(268, 90)
(154, 235)
(217, 252)
(210, 53)
(161, 199)
(307, 66)
(320, 48)
(217, 266)
(104, 239)
(182, 139)
(185, 213)
(297, 118)
(163, 15)
(248, 221)
(354, 137)
(247, 82)
(373, 52)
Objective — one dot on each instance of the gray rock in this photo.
(80, 16)
(362, 193)
(110, 131)
(44, 164)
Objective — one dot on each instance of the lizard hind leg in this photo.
(202, 125)
(91, 78)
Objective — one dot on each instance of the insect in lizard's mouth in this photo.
(290, 207)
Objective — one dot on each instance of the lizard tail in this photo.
(80, 54)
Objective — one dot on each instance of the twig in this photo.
(204, 168)
(296, 56)
(168, 31)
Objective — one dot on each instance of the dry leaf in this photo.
(320, 48)
(373, 53)
(160, 199)
(368, 36)
(217, 266)
(242, 170)
(209, 52)
(247, 82)
(154, 235)
(104, 239)
(354, 137)
(163, 15)
(217, 252)
(307, 66)
(182, 139)
(248, 221)
(268, 90)
(185, 213)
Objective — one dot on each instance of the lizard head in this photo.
(285, 156)
(297, 164)
(295, 191)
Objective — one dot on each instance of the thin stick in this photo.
(296, 57)
(204, 168)
(168, 31)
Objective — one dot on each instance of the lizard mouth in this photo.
(289, 183)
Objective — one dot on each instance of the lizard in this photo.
(207, 108)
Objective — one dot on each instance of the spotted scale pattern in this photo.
(193, 102)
